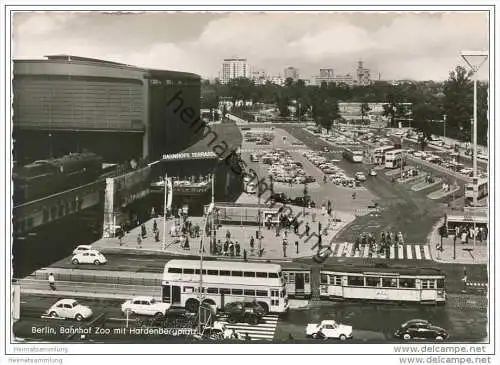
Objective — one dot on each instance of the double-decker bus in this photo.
(379, 153)
(392, 284)
(352, 155)
(393, 159)
(224, 282)
(478, 189)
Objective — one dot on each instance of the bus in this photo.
(383, 283)
(393, 159)
(478, 190)
(353, 155)
(379, 153)
(224, 282)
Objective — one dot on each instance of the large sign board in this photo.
(189, 156)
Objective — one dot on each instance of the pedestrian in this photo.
(143, 231)
(354, 195)
(155, 225)
(237, 248)
(465, 279)
(153, 212)
(231, 249)
(308, 228)
(157, 236)
(244, 255)
(226, 247)
(285, 243)
(139, 240)
(313, 216)
(464, 237)
(228, 235)
(52, 281)
(234, 335)
(297, 247)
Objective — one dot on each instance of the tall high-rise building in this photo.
(233, 68)
(258, 76)
(326, 73)
(362, 75)
(292, 73)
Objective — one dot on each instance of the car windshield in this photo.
(74, 303)
(152, 301)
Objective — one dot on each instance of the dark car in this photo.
(309, 179)
(301, 202)
(422, 330)
(280, 198)
(244, 312)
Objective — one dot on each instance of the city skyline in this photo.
(418, 46)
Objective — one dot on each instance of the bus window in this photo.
(197, 272)
(261, 293)
(212, 290)
(213, 272)
(249, 292)
(406, 283)
(188, 271)
(188, 289)
(440, 283)
(355, 281)
(225, 291)
(261, 274)
(174, 270)
(306, 278)
(249, 274)
(273, 274)
(274, 293)
(236, 273)
(237, 291)
(324, 279)
(224, 273)
(372, 281)
(389, 282)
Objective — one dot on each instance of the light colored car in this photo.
(71, 309)
(466, 171)
(329, 329)
(147, 306)
(373, 172)
(420, 154)
(89, 257)
(360, 176)
(82, 248)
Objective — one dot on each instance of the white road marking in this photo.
(401, 253)
(340, 250)
(427, 254)
(366, 250)
(393, 252)
(408, 252)
(418, 255)
(348, 250)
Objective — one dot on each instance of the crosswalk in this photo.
(263, 331)
(408, 252)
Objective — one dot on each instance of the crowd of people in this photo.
(466, 233)
(379, 245)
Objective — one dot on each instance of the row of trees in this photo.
(430, 101)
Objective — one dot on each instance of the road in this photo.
(371, 323)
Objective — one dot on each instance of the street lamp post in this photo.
(444, 128)
(474, 59)
(165, 188)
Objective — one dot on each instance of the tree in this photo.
(283, 106)
(391, 109)
(458, 103)
(364, 108)
(325, 112)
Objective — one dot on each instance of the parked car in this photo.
(373, 172)
(82, 248)
(244, 312)
(280, 198)
(301, 202)
(329, 329)
(147, 306)
(89, 257)
(420, 329)
(70, 309)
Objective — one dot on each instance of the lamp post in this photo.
(165, 189)
(474, 59)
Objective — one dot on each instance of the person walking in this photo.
(143, 231)
(308, 228)
(157, 235)
(237, 248)
(139, 240)
(285, 243)
(155, 226)
(297, 247)
(244, 255)
(52, 282)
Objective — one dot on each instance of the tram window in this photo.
(292, 277)
(324, 279)
(212, 290)
(335, 280)
(306, 278)
(225, 273)
(197, 272)
(175, 270)
(389, 282)
(261, 274)
(236, 291)
(440, 283)
(188, 289)
(372, 281)
(249, 274)
(213, 272)
(428, 284)
(236, 273)
(188, 271)
(261, 293)
(225, 291)
(355, 281)
(406, 283)
(249, 292)
(273, 274)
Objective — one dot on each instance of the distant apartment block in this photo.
(259, 77)
(362, 75)
(233, 68)
(291, 72)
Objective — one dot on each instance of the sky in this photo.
(418, 46)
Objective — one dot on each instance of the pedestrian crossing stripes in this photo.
(476, 284)
(408, 252)
(263, 331)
